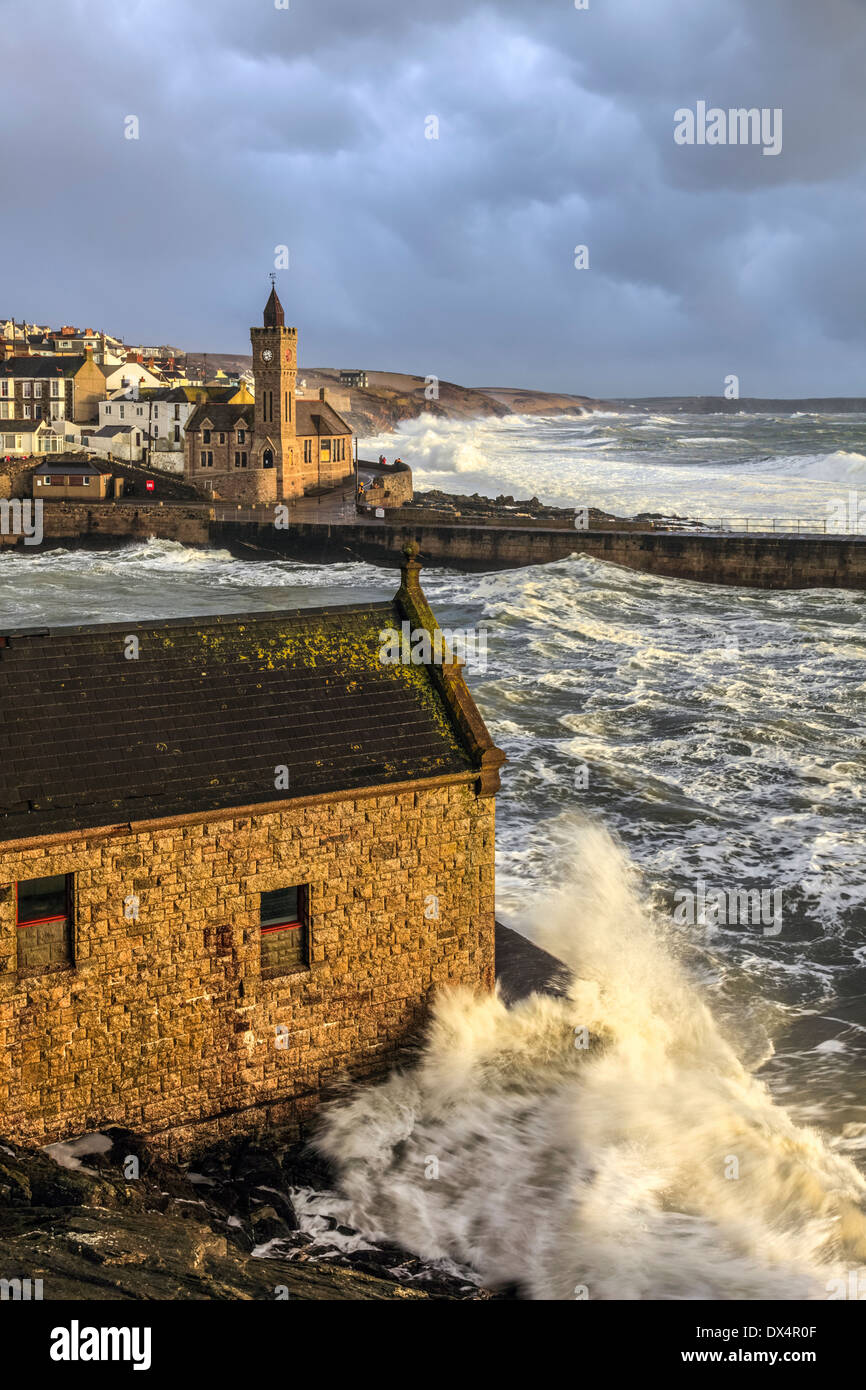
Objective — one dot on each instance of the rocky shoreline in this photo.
(105, 1218)
(520, 512)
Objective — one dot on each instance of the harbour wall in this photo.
(104, 525)
(759, 561)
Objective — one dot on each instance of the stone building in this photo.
(279, 447)
(324, 443)
(237, 856)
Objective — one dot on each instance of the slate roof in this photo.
(222, 417)
(317, 417)
(31, 367)
(22, 426)
(221, 393)
(76, 467)
(311, 417)
(173, 394)
(108, 431)
(208, 711)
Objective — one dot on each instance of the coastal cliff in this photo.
(391, 397)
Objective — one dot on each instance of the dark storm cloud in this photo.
(305, 127)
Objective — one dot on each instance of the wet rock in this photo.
(239, 1237)
(282, 1203)
(178, 1232)
(129, 1256)
(14, 1185)
(267, 1225)
(303, 1167)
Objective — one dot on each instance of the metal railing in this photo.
(748, 525)
(305, 509)
(231, 512)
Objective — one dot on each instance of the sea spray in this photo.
(650, 1165)
(738, 772)
(710, 466)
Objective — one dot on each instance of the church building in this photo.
(278, 447)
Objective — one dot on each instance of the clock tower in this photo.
(275, 369)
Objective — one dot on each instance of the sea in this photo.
(689, 1121)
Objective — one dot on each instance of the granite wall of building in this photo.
(163, 1021)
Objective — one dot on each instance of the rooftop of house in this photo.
(317, 417)
(131, 367)
(76, 466)
(174, 395)
(221, 416)
(22, 426)
(108, 431)
(32, 367)
(213, 707)
(311, 417)
(221, 392)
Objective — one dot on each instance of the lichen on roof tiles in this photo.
(207, 712)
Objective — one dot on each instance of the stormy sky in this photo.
(307, 127)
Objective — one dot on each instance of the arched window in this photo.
(268, 458)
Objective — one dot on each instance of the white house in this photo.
(128, 374)
(170, 408)
(124, 408)
(125, 442)
(161, 414)
(21, 438)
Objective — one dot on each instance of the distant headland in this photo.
(377, 402)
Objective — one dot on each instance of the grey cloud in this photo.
(261, 127)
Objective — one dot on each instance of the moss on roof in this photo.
(207, 711)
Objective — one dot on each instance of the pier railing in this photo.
(224, 511)
(751, 525)
(334, 508)
(342, 510)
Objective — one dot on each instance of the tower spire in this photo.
(273, 316)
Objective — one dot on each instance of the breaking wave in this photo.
(436, 446)
(161, 579)
(842, 466)
(701, 466)
(653, 1165)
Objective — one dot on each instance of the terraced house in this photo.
(50, 388)
(237, 856)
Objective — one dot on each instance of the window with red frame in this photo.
(284, 930)
(44, 920)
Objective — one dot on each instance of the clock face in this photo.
(267, 355)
